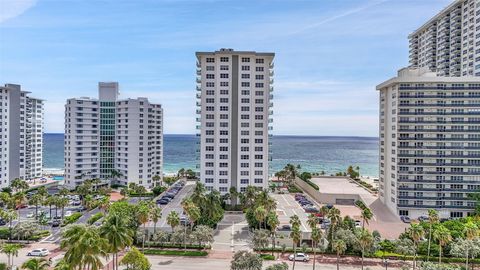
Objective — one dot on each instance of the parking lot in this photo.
(173, 205)
(287, 207)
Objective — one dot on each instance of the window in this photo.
(223, 67)
(245, 76)
(210, 76)
(245, 68)
(245, 84)
(259, 69)
(259, 61)
(224, 75)
(223, 59)
(210, 60)
(245, 60)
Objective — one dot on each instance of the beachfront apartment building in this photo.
(108, 135)
(429, 143)
(449, 43)
(21, 134)
(234, 115)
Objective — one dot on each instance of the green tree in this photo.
(260, 215)
(260, 239)
(11, 250)
(173, 219)
(19, 185)
(36, 264)
(9, 216)
(203, 234)
(244, 260)
(273, 222)
(415, 232)
(443, 236)
(365, 241)
(278, 266)
(466, 248)
(83, 247)
(143, 215)
(155, 216)
(316, 237)
(119, 236)
(62, 265)
(366, 216)
(432, 219)
(135, 260)
(339, 246)
(25, 230)
(295, 235)
(335, 218)
(36, 200)
(405, 247)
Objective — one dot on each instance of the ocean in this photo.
(312, 153)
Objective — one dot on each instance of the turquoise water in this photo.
(329, 154)
(58, 178)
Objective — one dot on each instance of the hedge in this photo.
(189, 253)
(381, 254)
(148, 194)
(95, 218)
(294, 189)
(71, 219)
(313, 185)
(3, 266)
(267, 257)
(5, 233)
(171, 245)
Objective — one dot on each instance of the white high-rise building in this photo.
(449, 43)
(107, 135)
(21, 135)
(234, 99)
(429, 143)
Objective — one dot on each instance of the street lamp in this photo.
(385, 261)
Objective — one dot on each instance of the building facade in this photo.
(116, 141)
(429, 143)
(21, 142)
(449, 43)
(234, 115)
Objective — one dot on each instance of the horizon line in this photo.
(276, 135)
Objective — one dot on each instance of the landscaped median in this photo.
(168, 252)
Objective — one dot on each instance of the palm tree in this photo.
(365, 240)
(19, 199)
(173, 220)
(296, 236)
(18, 184)
(36, 264)
(62, 265)
(84, 247)
(366, 216)
(273, 222)
(471, 232)
(119, 235)
(36, 199)
(143, 214)
(9, 216)
(11, 250)
(260, 215)
(443, 236)
(233, 195)
(416, 233)
(62, 202)
(334, 216)
(432, 219)
(155, 216)
(340, 247)
(316, 236)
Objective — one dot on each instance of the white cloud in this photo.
(13, 8)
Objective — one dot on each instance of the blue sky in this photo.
(330, 54)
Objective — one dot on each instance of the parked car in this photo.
(30, 215)
(21, 206)
(68, 213)
(184, 221)
(299, 257)
(2, 222)
(284, 228)
(311, 209)
(358, 223)
(405, 219)
(55, 223)
(162, 201)
(39, 252)
(329, 206)
(422, 218)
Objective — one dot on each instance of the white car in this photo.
(358, 224)
(39, 252)
(30, 215)
(299, 257)
(68, 213)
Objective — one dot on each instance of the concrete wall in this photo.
(326, 198)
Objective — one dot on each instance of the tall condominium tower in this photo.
(234, 115)
(449, 43)
(117, 141)
(429, 143)
(21, 135)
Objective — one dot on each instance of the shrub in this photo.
(294, 189)
(148, 194)
(3, 266)
(189, 253)
(95, 218)
(158, 190)
(72, 219)
(267, 257)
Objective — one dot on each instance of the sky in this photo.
(330, 54)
